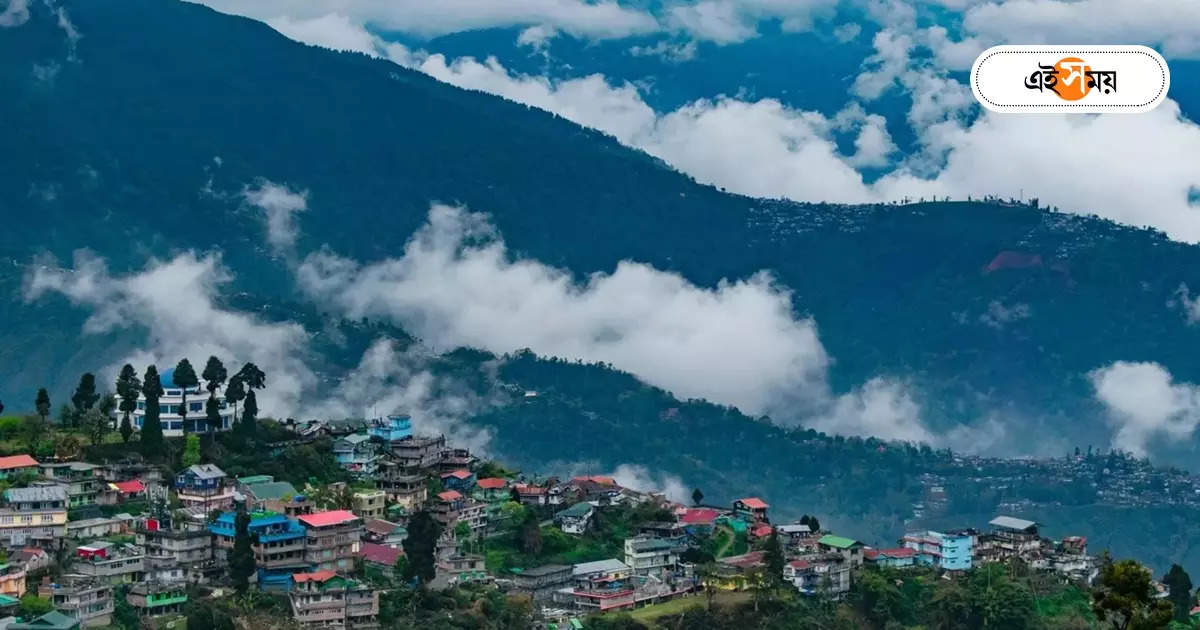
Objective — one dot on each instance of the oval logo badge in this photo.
(1083, 79)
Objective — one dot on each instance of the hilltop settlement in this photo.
(170, 504)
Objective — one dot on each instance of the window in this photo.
(195, 406)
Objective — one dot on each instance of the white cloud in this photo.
(457, 285)
(173, 301)
(280, 205)
(998, 315)
(537, 37)
(640, 478)
(1188, 304)
(1145, 403)
(674, 52)
(881, 408)
(332, 30)
(15, 14)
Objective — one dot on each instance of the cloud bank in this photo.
(1144, 403)
(280, 205)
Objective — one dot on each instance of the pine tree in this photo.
(184, 377)
(250, 415)
(129, 387)
(212, 415)
(419, 547)
(697, 496)
(235, 393)
(774, 558)
(85, 397)
(42, 404)
(152, 434)
(214, 376)
(1179, 584)
(241, 557)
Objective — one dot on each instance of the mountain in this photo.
(134, 132)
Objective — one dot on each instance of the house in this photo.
(462, 480)
(575, 519)
(753, 506)
(369, 503)
(530, 494)
(381, 558)
(760, 531)
(121, 491)
(52, 620)
(667, 530)
(16, 465)
(459, 568)
(540, 583)
(1011, 537)
(451, 459)
(157, 598)
(736, 573)
(278, 542)
(333, 539)
(357, 454)
(269, 496)
(404, 486)
(37, 514)
(819, 573)
(171, 403)
(90, 528)
(110, 563)
(12, 579)
(324, 599)
(950, 551)
(384, 532)
(897, 558)
(445, 510)
(184, 549)
(345, 426)
(699, 520)
(418, 453)
(611, 568)
(82, 480)
(848, 548)
(492, 490)
(90, 602)
(204, 486)
(32, 558)
(651, 556)
(394, 428)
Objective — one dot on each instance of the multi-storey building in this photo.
(34, 515)
(83, 481)
(404, 486)
(81, 597)
(110, 563)
(950, 551)
(1010, 537)
(850, 549)
(157, 598)
(278, 544)
(827, 573)
(177, 551)
(419, 452)
(357, 453)
(394, 428)
(324, 599)
(369, 504)
(540, 583)
(651, 555)
(332, 539)
(12, 580)
(171, 403)
(15, 465)
(204, 486)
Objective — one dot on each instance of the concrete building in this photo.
(16, 465)
(183, 551)
(949, 551)
(404, 486)
(369, 504)
(83, 481)
(848, 548)
(110, 563)
(157, 598)
(357, 453)
(651, 556)
(419, 453)
(87, 600)
(171, 403)
(33, 516)
(204, 486)
(12, 579)
(324, 599)
(394, 428)
(332, 539)
(540, 583)
(278, 544)
(575, 519)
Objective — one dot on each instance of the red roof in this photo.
(449, 495)
(380, 554)
(899, 552)
(130, 487)
(754, 503)
(333, 517)
(491, 483)
(762, 531)
(798, 564)
(597, 479)
(317, 576)
(700, 516)
(458, 474)
(530, 490)
(17, 461)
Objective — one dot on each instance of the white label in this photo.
(1058, 79)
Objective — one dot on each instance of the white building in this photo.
(172, 402)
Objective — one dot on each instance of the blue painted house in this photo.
(462, 480)
(949, 551)
(357, 454)
(278, 546)
(394, 428)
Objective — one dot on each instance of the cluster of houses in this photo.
(320, 557)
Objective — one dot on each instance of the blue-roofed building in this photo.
(171, 403)
(278, 546)
(394, 428)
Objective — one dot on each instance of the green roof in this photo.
(837, 541)
(6, 600)
(52, 620)
(579, 510)
(253, 479)
(272, 490)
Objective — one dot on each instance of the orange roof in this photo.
(17, 461)
(762, 531)
(458, 474)
(333, 517)
(597, 479)
(491, 483)
(130, 487)
(531, 490)
(754, 503)
(449, 495)
(316, 576)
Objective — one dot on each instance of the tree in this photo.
(252, 377)
(420, 546)
(85, 396)
(212, 415)
(241, 557)
(250, 415)
(234, 394)
(214, 377)
(184, 377)
(152, 435)
(97, 421)
(191, 450)
(774, 558)
(529, 539)
(462, 535)
(42, 404)
(129, 387)
(1124, 598)
(697, 496)
(1180, 591)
